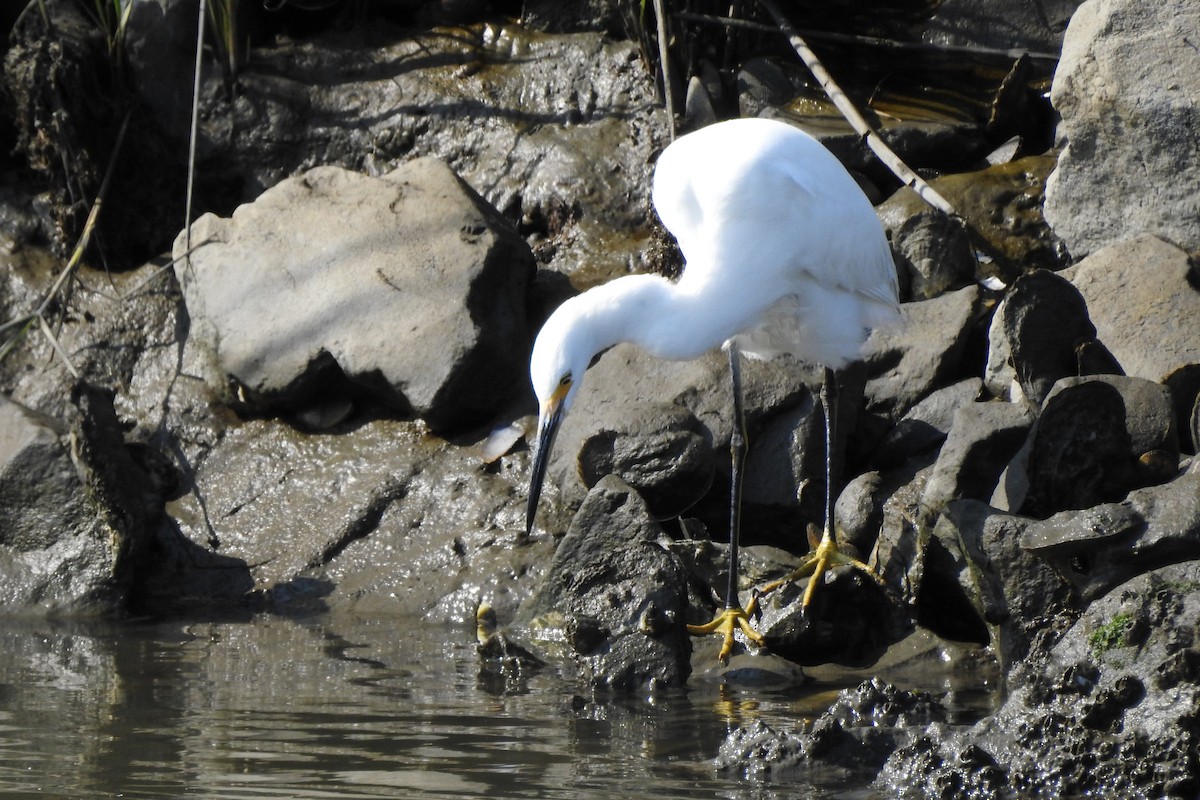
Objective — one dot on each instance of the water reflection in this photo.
(346, 709)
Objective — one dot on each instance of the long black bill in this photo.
(547, 430)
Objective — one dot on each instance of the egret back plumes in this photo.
(776, 233)
(783, 252)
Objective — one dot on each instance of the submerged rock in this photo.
(852, 739)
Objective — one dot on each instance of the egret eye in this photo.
(566, 380)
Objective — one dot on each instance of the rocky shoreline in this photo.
(319, 402)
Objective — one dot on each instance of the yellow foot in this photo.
(727, 623)
(825, 554)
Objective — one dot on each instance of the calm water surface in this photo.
(352, 709)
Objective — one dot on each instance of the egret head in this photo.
(561, 355)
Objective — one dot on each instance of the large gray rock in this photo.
(983, 439)
(1126, 87)
(410, 286)
(1101, 547)
(909, 363)
(1140, 296)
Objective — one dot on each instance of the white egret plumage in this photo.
(783, 254)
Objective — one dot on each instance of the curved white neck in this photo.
(654, 314)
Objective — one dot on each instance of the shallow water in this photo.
(353, 709)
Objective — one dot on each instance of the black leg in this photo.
(829, 404)
(734, 618)
(825, 553)
(737, 452)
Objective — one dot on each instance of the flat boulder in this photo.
(407, 289)
(1142, 299)
(1126, 88)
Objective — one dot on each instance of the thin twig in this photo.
(840, 99)
(58, 348)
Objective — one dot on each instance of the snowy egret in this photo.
(784, 254)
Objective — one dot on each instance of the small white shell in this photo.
(500, 441)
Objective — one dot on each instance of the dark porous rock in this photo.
(926, 425)
(852, 620)
(289, 293)
(983, 440)
(937, 253)
(1095, 440)
(852, 740)
(778, 407)
(617, 598)
(1017, 594)
(660, 450)
(1098, 548)
(78, 513)
(1043, 321)
(906, 365)
(859, 511)
(1112, 710)
(1139, 292)
(1125, 89)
